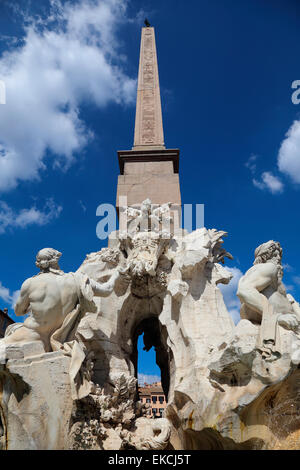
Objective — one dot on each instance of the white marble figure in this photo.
(264, 298)
(148, 218)
(56, 301)
(146, 237)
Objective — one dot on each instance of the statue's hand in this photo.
(288, 320)
(124, 276)
(123, 269)
(124, 272)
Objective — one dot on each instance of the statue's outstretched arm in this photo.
(23, 303)
(103, 290)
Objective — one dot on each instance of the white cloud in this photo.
(83, 207)
(289, 287)
(258, 184)
(9, 218)
(67, 59)
(14, 297)
(289, 153)
(229, 291)
(251, 163)
(287, 267)
(5, 294)
(7, 297)
(149, 379)
(296, 279)
(269, 182)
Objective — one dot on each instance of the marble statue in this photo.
(149, 218)
(171, 295)
(56, 302)
(264, 298)
(71, 368)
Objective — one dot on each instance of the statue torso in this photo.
(275, 291)
(51, 297)
(276, 294)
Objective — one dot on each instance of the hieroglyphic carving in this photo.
(148, 125)
(148, 105)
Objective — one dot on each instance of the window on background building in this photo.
(154, 411)
(161, 410)
(154, 399)
(161, 400)
(148, 400)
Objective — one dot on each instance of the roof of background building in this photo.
(5, 314)
(144, 391)
(147, 389)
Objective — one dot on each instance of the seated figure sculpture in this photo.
(57, 301)
(264, 299)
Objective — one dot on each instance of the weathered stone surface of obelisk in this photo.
(149, 170)
(148, 131)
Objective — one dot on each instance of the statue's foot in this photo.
(268, 352)
(271, 357)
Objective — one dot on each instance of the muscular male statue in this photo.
(53, 298)
(263, 295)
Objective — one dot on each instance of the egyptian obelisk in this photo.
(148, 170)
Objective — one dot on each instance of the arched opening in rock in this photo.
(148, 335)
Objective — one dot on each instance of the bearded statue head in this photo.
(270, 251)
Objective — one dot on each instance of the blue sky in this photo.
(226, 70)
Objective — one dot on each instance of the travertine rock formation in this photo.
(227, 386)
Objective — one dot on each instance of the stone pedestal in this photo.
(149, 174)
(35, 401)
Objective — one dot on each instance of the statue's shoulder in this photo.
(74, 278)
(34, 279)
(43, 277)
(263, 269)
(27, 283)
(69, 278)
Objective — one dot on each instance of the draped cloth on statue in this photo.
(269, 338)
(70, 342)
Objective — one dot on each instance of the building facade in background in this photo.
(5, 320)
(153, 395)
